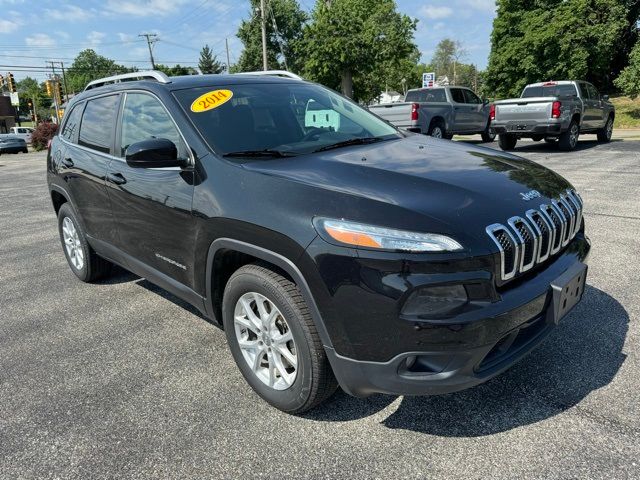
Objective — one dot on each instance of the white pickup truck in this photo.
(20, 132)
(553, 111)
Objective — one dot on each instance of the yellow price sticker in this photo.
(211, 100)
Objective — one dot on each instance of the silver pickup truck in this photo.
(440, 112)
(553, 111)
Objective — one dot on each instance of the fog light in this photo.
(435, 302)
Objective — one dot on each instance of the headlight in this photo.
(368, 236)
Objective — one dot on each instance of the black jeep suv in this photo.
(332, 248)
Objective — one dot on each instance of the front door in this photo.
(462, 112)
(478, 115)
(152, 206)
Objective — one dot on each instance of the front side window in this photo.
(72, 121)
(144, 118)
(98, 121)
(593, 93)
(294, 118)
(472, 97)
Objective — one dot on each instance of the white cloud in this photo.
(143, 7)
(40, 40)
(126, 37)
(69, 13)
(7, 26)
(433, 12)
(95, 38)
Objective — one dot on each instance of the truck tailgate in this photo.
(398, 114)
(535, 109)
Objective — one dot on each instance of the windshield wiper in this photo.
(260, 153)
(346, 143)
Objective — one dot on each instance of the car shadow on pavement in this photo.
(582, 355)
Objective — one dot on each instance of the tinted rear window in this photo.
(98, 123)
(427, 95)
(550, 91)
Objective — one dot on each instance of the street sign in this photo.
(15, 100)
(428, 79)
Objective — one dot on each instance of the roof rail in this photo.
(273, 73)
(128, 77)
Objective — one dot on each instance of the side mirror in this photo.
(605, 97)
(153, 153)
(485, 101)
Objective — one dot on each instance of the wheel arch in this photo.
(226, 255)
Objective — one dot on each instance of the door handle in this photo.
(116, 178)
(67, 162)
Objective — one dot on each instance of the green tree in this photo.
(535, 40)
(360, 47)
(629, 80)
(281, 43)
(176, 70)
(208, 62)
(29, 90)
(88, 66)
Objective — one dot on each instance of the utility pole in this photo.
(55, 95)
(64, 80)
(263, 15)
(226, 44)
(151, 38)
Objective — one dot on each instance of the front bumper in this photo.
(378, 350)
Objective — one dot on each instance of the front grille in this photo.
(527, 241)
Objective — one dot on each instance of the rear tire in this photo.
(604, 134)
(569, 140)
(437, 130)
(507, 141)
(83, 261)
(260, 308)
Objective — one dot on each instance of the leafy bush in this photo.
(42, 134)
(629, 79)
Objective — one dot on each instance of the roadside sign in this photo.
(428, 79)
(15, 100)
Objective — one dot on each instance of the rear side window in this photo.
(98, 123)
(567, 90)
(72, 121)
(458, 95)
(428, 95)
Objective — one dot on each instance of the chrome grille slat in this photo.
(527, 241)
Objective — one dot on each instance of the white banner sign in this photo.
(428, 79)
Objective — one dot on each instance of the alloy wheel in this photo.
(265, 340)
(573, 135)
(72, 243)
(436, 132)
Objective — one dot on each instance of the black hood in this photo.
(455, 183)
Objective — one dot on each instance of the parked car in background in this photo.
(11, 144)
(554, 111)
(440, 112)
(19, 132)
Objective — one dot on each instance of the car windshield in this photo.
(272, 119)
(567, 90)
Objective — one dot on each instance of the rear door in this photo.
(463, 113)
(478, 115)
(152, 205)
(88, 134)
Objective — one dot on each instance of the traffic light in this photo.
(11, 84)
(59, 91)
(49, 88)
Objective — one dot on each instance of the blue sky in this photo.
(32, 32)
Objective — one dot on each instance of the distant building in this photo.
(7, 114)
(390, 97)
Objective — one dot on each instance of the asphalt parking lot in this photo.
(121, 380)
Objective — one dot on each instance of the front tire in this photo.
(569, 140)
(489, 134)
(274, 341)
(507, 141)
(604, 134)
(83, 261)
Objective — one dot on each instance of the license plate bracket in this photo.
(567, 291)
